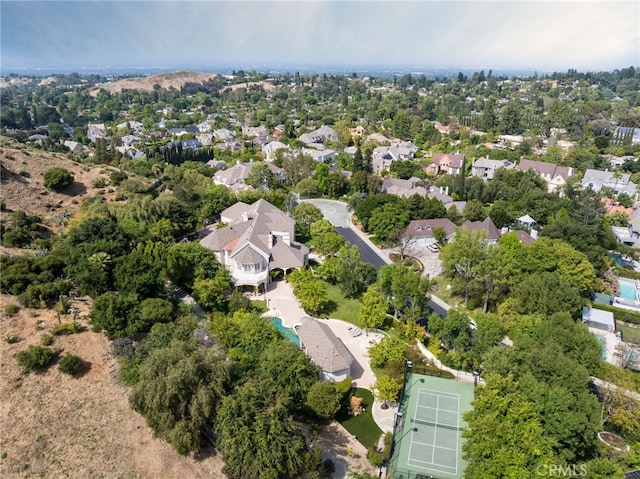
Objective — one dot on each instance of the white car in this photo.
(433, 248)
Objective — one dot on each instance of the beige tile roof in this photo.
(325, 348)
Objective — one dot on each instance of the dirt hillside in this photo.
(56, 426)
(22, 183)
(165, 80)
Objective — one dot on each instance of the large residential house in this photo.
(615, 181)
(492, 234)
(322, 134)
(422, 231)
(378, 138)
(235, 177)
(383, 156)
(257, 240)
(486, 168)
(404, 188)
(320, 155)
(446, 163)
(96, 131)
(259, 135)
(223, 134)
(271, 148)
(325, 349)
(556, 176)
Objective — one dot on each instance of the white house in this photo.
(258, 239)
(486, 168)
(615, 181)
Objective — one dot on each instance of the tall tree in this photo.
(460, 259)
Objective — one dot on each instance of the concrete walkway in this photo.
(283, 304)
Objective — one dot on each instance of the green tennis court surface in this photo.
(428, 433)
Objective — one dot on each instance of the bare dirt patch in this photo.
(54, 425)
(22, 183)
(165, 80)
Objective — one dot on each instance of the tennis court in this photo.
(428, 432)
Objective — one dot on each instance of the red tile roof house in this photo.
(446, 163)
(259, 239)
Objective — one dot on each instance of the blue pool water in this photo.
(603, 345)
(286, 333)
(628, 289)
(622, 262)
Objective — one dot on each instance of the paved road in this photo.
(367, 254)
(338, 215)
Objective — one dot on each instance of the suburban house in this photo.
(223, 134)
(257, 240)
(486, 168)
(259, 135)
(74, 146)
(556, 176)
(378, 138)
(321, 156)
(449, 164)
(322, 134)
(421, 231)
(492, 234)
(184, 130)
(136, 126)
(615, 181)
(325, 349)
(404, 188)
(236, 176)
(271, 148)
(96, 131)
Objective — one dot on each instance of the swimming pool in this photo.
(628, 289)
(603, 345)
(285, 332)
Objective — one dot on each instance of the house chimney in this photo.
(446, 191)
(441, 190)
(245, 216)
(271, 238)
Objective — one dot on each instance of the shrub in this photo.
(57, 179)
(11, 309)
(46, 339)
(99, 183)
(70, 364)
(34, 358)
(66, 328)
(11, 337)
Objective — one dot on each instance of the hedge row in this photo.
(620, 314)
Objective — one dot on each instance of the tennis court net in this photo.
(434, 424)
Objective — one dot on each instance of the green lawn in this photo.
(343, 308)
(363, 427)
(629, 334)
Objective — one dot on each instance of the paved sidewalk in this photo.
(283, 304)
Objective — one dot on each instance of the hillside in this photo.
(169, 80)
(54, 425)
(165, 80)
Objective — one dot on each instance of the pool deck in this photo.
(284, 305)
(611, 341)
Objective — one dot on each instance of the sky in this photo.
(589, 35)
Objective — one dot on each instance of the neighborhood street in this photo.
(338, 215)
